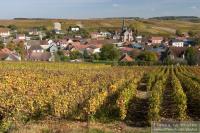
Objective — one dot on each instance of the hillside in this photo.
(145, 26)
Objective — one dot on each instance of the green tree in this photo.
(196, 41)
(148, 56)
(1, 45)
(109, 52)
(20, 48)
(11, 46)
(191, 33)
(75, 55)
(86, 55)
(61, 57)
(191, 56)
(12, 27)
(178, 32)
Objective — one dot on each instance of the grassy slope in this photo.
(164, 27)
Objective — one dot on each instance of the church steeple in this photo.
(124, 25)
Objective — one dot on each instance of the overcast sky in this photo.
(97, 8)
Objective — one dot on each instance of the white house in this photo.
(57, 26)
(34, 32)
(4, 32)
(139, 39)
(75, 29)
(21, 37)
(177, 43)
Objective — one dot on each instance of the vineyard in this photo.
(87, 92)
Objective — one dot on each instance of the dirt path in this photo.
(138, 107)
(168, 104)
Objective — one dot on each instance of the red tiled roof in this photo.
(3, 30)
(157, 38)
(126, 58)
(126, 49)
(3, 55)
(6, 50)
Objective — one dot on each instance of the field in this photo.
(62, 97)
(158, 27)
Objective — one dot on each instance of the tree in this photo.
(86, 55)
(178, 32)
(11, 46)
(61, 57)
(196, 41)
(191, 33)
(1, 45)
(148, 56)
(12, 27)
(75, 55)
(20, 48)
(191, 56)
(109, 52)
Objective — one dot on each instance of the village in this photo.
(75, 44)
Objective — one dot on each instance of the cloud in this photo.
(194, 7)
(115, 5)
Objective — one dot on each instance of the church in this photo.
(126, 34)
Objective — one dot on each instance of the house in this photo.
(4, 32)
(42, 43)
(116, 36)
(176, 53)
(138, 39)
(126, 58)
(97, 36)
(94, 49)
(40, 56)
(36, 53)
(156, 40)
(105, 34)
(34, 32)
(35, 48)
(53, 49)
(13, 57)
(74, 28)
(57, 26)
(21, 37)
(7, 55)
(177, 43)
(119, 44)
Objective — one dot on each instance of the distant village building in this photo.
(177, 43)
(7, 55)
(21, 37)
(138, 39)
(35, 51)
(156, 40)
(97, 36)
(57, 27)
(34, 32)
(126, 58)
(116, 36)
(4, 32)
(74, 29)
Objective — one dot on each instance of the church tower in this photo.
(124, 28)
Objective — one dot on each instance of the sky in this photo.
(80, 9)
